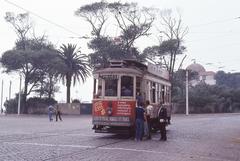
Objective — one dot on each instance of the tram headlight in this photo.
(109, 109)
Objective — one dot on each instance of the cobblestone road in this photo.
(194, 138)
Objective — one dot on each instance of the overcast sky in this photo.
(214, 29)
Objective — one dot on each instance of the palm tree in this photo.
(75, 66)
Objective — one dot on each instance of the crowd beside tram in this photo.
(145, 120)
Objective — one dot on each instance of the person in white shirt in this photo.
(150, 117)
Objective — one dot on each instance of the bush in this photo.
(76, 101)
(38, 105)
(36, 100)
(12, 105)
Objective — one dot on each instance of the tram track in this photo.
(85, 148)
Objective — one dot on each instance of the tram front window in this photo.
(126, 86)
(111, 87)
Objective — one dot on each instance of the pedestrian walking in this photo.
(139, 121)
(50, 112)
(162, 117)
(58, 113)
(149, 117)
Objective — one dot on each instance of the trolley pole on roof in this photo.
(187, 112)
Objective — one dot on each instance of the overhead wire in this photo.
(214, 22)
(45, 19)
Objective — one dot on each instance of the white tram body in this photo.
(115, 93)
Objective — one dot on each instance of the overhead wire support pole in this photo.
(19, 95)
(10, 90)
(187, 108)
(2, 99)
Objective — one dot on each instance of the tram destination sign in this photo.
(109, 76)
(157, 70)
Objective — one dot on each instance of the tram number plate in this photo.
(114, 119)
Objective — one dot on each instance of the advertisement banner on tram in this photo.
(114, 112)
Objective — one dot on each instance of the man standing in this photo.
(139, 121)
(58, 113)
(162, 116)
(149, 118)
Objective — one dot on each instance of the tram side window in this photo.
(163, 94)
(111, 87)
(97, 88)
(153, 92)
(138, 85)
(167, 94)
(126, 86)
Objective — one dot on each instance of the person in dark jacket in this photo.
(58, 113)
(139, 121)
(162, 117)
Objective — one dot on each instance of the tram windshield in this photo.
(111, 87)
(126, 86)
(114, 86)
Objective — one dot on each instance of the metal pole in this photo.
(2, 99)
(187, 112)
(10, 88)
(19, 95)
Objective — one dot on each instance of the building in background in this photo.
(203, 75)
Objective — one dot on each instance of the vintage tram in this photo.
(116, 89)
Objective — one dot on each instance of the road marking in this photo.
(50, 145)
(118, 149)
(68, 134)
(236, 140)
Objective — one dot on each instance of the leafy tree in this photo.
(30, 62)
(75, 66)
(231, 80)
(47, 86)
(95, 14)
(31, 56)
(21, 24)
(106, 49)
(200, 96)
(132, 22)
(173, 32)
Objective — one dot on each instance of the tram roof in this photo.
(130, 66)
(118, 70)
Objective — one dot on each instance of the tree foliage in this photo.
(231, 80)
(132, 22)
(34, 63)
(33, 57)
(106, 49)
(20, 22)
(75, 66)
(95, 14)
(172, 32)
(203, 98)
